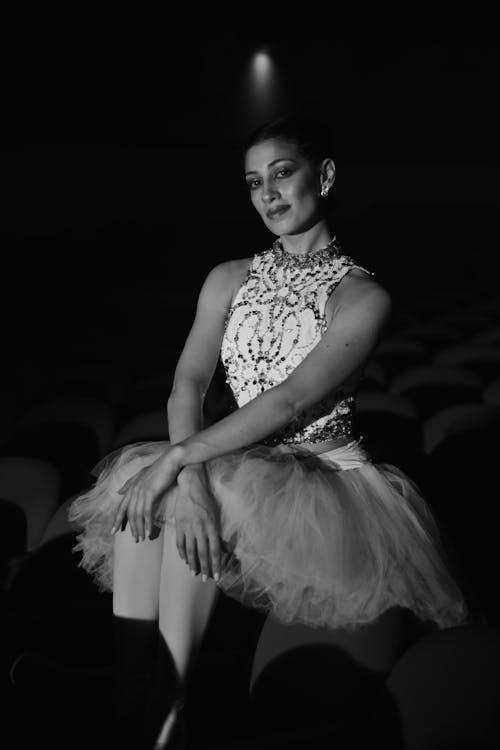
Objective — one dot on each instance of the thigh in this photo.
(186, 602)
(136, 575)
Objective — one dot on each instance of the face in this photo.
(284, 187)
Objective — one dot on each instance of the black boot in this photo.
(164, 713)
(135, 646)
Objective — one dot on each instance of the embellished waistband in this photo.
(347, 455)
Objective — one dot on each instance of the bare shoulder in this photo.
(222, 283)
(358, 288)
(238, 268)
(358, 285)
(229, 271)
(229, 275)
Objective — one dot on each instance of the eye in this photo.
(284, 172)
(253, 184)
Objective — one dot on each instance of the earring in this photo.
(324, 191)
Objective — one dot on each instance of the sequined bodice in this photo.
(276, 319)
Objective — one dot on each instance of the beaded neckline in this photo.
(304, 260)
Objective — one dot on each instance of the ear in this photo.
(328, 173)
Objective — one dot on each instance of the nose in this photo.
(269, 193)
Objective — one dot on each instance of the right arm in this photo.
(193, 374)
(198, 360)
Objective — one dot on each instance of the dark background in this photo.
(121, 165)
(121, 185)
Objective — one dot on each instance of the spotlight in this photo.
(262, 66)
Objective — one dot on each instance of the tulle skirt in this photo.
(326, 540)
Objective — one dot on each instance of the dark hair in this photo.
(310, 136)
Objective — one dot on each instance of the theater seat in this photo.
(456, 420)
(491, 394)
(462, 462)
(310, 678)
(95, 415)
(397, 353)
(432, 336)
(483, 359)
(152, 425)
(432, 388)
(444, 693)
(34, 485)
(391, 430)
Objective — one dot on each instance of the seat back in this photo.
(34, 485)
(153, 425)
(432, 388)
(445, 693)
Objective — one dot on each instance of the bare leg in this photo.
(136, 576)
(186, 604)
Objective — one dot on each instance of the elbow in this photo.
(290, 404)
(184, 386)
(174, 392)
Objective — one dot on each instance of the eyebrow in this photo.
(272, 163)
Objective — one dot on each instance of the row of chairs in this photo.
(399, 353)
(444, 686)
(398, 363)
(389, 369)
(418, 393)
(434, 324)
(424, 403)
(452, 458)
(382, 681)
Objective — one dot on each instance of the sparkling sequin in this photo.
(276, 319)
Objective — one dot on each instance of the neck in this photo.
(307, 242)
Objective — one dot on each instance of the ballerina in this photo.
(277, 504)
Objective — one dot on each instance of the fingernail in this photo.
(204, 578)
(193, 573)
(113, 529)
(216, 576)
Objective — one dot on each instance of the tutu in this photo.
(327, 540)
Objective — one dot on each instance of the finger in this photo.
(123, 489)
(215, 553)
(128, 484)
(202, 549)
(191, 553)
(131, 515)
(180, 544)
(120, 514)
(148, 517)
(139, 514)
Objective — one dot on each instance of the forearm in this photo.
(254, 421)
(185, 410)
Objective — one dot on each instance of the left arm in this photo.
(360, 315)
(350, 339)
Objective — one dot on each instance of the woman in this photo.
(276, 504)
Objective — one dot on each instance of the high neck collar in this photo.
(304, 260)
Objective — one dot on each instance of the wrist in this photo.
(192, 473)
(193, 469)
(176, 457)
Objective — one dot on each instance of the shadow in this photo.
(316, 693)
(13, 536)
(72, 448)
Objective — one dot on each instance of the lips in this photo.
(277, 211)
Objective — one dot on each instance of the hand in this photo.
(197, 523)
(143, 492)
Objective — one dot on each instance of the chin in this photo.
(281, 228)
